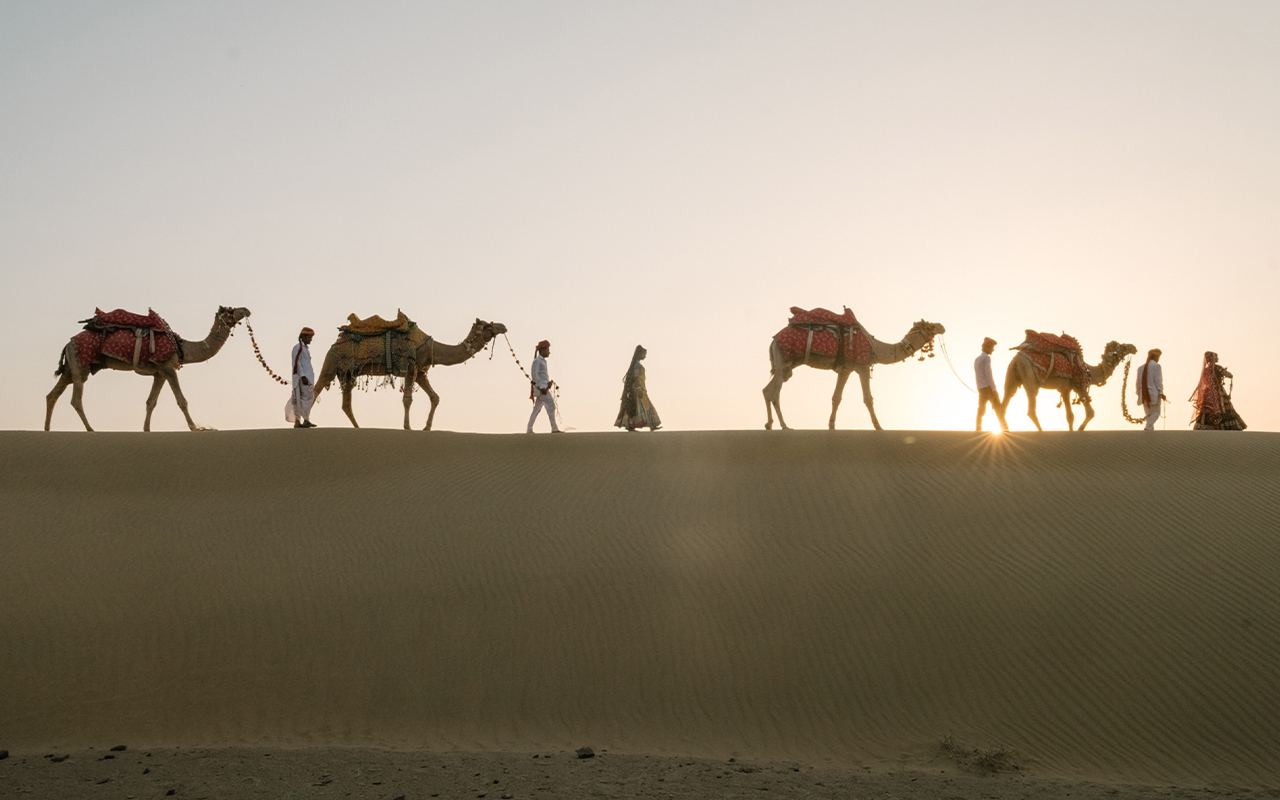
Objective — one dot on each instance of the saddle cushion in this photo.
(127, 319)
(800, 316)
(375, 325)
(1050, 343)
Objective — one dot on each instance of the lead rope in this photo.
(1124, 394)
(258, 353)
(947, 356)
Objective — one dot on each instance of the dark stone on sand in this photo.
(104, 780)
(586, 752)
(120, 748)
(147, 771)
(170, 792)
(4, 754)
(107, 757)
(401, 797)
(57, 759)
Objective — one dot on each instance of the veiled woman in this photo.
(636, 410)
(1214, 411)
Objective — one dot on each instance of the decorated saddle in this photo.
(136, 339)
(377, 346)
(826, 333)
(1055, 356)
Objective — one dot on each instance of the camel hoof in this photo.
(768, 426)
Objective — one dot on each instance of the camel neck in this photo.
(194, 352)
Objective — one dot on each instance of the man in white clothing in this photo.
(1150, 387)
(987, 392)
(540, 388)
(304, 380)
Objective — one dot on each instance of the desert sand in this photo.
(1070, 610)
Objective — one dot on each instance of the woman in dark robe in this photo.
(636, 410)
(1214, 411)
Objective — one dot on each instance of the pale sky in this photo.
(675, 175)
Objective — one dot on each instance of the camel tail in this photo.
(63, 368)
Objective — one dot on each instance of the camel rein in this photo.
(947, 356)
(1124, 394)
(258, 352)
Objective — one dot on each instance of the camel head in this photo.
(1115, 352)
(487, 331)
(230, 317)
(928, 329)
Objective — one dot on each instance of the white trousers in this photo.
(298, 409)
(1153, 414)
(543, 401)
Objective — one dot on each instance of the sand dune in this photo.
(1104, 605)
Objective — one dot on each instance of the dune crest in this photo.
(1096, 605)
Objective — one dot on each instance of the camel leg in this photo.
(1088, 412)
(408, 401)
(157, 382)
(77, 397)
(772, 399)
(1032, 391)
(431, 393)
(51, 400)
(864, 377)
(171, 376)
(1066, 405)
(841, 379)
(346, 403)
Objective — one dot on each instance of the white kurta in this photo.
(542, 397)
(1154, 379)
(982, 371)
(298, 409)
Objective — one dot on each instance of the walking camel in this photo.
(108, 340)
(1024, 372)
(783, 360)
(410, 353)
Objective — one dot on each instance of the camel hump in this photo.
(372, 326)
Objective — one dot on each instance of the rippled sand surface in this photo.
(1097, 606)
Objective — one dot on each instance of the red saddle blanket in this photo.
(123, 335)
(819, 332)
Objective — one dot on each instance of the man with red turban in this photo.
(540, 388)
(298, 411)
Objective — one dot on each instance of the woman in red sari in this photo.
(1214, 411)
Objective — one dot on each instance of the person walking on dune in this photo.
(1214, 411)
(987, 392)
(1150, 387)
(636, 410)
(304, 383)
(540, 388)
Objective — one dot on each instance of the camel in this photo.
(1023, 372)
(72, 373)
(427, 353)
(780, 367)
